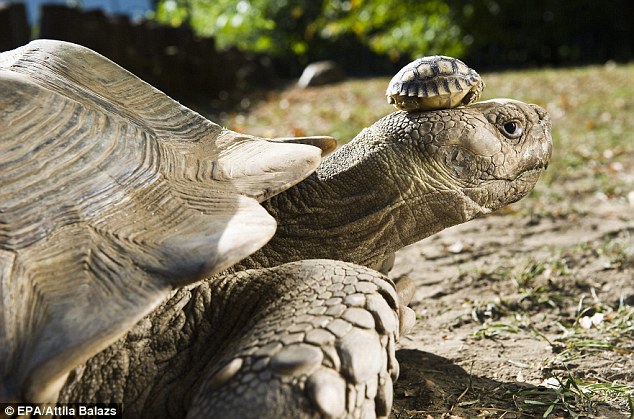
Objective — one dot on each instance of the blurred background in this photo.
(216, 48)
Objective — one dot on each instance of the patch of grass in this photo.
(531, 271)
(340, 110)
(490, 330)
(581, 331)
(580, 347)
(534, 290)
(619, 250)
(606, 332)
(621, 323)
(596, 328)
(578, 396)
(496, 274)
(558, 395)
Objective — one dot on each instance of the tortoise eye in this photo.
(512, 129)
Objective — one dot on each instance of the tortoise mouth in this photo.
(540, 166)
(530, 172)
(533, 170)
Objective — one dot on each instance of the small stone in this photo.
(520, 376)
(597, 319)
(320, 73)
(585, 322)
(456, 247)
(327, 390)
(297, 359)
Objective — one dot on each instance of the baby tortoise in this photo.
(435, 82)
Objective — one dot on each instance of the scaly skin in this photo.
(299, 340)
(407, 177)
(317, 338)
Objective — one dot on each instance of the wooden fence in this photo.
(172, 59)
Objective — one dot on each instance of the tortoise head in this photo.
(410, 175)
(492, 152)
(482, 156)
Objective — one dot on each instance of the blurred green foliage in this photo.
(407, 27)
(303, 28)
(360, 33)
(278, 27)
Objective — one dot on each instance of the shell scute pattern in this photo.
(101, 198)
(435, 82)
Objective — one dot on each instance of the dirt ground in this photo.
(500, 302)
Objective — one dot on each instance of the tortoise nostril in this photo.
(541, 112)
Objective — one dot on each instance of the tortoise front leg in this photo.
(323, 346)
(314, 338)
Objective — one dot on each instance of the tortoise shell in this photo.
(111, 195)
(436, 82)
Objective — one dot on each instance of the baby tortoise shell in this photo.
(435, 82)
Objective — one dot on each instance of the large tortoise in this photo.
(130, 229)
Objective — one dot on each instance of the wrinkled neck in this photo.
(357, 207)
